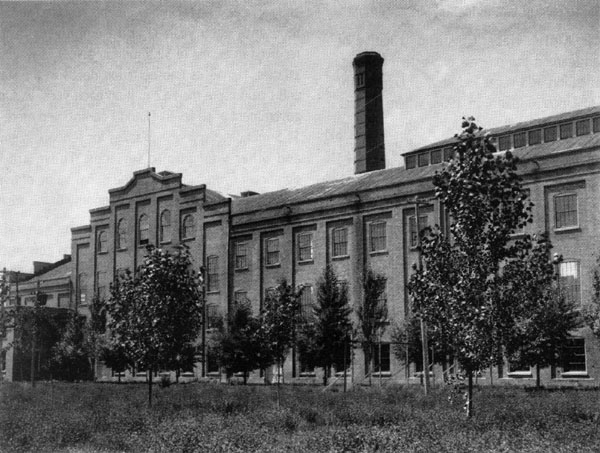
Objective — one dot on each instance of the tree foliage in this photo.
(278, 318)
(71, 355)
(157, 313)
(324, 339)
(372, 314)
(542, 317)
(458, 292)
(591, 311)
(238, 350)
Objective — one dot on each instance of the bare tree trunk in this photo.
(537, 377)
(150, 387)
(470, 395)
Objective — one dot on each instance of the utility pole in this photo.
(424, 339)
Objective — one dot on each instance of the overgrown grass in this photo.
(204, 417)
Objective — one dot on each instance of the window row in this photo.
(143, 231)
(377, 242)
(549, 134)
(515, 140)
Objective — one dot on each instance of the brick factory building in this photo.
(366, 220)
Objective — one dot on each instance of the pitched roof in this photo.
(495, 131)
(61, 269)
(399, 175)
(351, 184)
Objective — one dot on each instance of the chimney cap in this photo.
(367, 57)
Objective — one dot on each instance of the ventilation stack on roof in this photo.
(369, 148)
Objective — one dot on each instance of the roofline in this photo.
(534, 123)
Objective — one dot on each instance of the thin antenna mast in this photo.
(148, 139)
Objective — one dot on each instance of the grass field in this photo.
(204, 417)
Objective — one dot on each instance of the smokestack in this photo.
(369, 148)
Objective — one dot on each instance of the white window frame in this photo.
(370, 236)
(569, 227)
(299, 238)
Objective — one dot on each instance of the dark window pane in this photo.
(411, 161)
(573, 355)
(566, 130)
(423, 159)
(436, 156)
(535, 137)
(565, 211)
(550, 134)
(582, 127)
(519, 139)
(378, 237)
(504, 143)
(340, 242)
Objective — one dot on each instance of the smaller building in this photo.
(50, 284)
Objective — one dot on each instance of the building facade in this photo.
(368, 220)
(50, 285)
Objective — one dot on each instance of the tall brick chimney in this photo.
(369, 148)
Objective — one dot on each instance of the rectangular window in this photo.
(212, 272)
(412, 228)
(504, 143)
(436, 156)
(549, 134)
(212, 316)
(410, 161)
(101, 285)
(565, 211)
(241, 255)
(272, 251)
(566, 130)
(596, 124)
(448, 154)
(582, 127)
(573, 355)
(306, 301)
(535, 137)
(377, 237)
(339, 241)
(423, 159)
(305, 246)
(520, 139)
(381, 358)
(570, 282)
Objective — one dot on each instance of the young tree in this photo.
(70, 359)
(542, 317)
(325, 336)
(591, 311)
(458, 290)
(408, 345)
(372, 315)
(155, 315)
(237, 347)
(278, 319)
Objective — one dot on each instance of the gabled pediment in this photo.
(145, 182)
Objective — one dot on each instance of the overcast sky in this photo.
(255, 95)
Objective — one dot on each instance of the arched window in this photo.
(187, 228)
(165, 226)
(144, 229)
(121, 234)
(101, 246)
